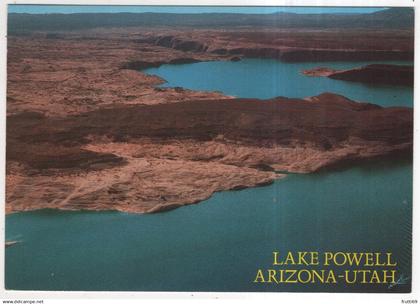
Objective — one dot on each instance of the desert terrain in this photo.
(88, 129)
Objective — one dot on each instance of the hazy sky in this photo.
(67, 9)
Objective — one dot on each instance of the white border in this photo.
(178, 297)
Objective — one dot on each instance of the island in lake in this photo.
(95, 121)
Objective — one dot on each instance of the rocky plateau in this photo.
(88, 129)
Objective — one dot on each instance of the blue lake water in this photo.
(219, 244)
(263, 78)
(183, 9)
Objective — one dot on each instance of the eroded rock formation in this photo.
(388, 74)
(87, 130)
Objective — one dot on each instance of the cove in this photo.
(218, 244)
(266, 78)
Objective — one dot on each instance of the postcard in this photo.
(209, 148)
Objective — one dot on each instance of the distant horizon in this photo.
(72, 9)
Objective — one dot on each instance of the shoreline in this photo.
(85, 132)
(399, 161)
(382, 74)
(156, 167)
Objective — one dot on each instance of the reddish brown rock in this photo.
(150, 158)
(388, 74)
(86, 130)
(402, 75)
(319, 72)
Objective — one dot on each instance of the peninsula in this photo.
(88, 129)
(387, 74)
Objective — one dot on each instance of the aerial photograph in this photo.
(209, 148)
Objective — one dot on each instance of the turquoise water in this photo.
(263, 78)
(218, 244)
(71, 9)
